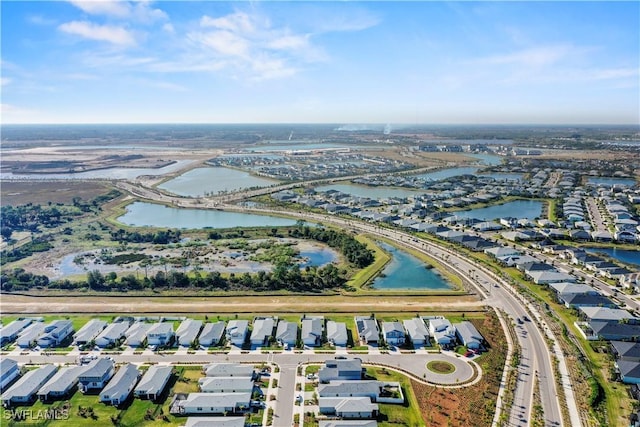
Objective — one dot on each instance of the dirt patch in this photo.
(38, 192)
(474, 405)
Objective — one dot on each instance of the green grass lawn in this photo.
(393, 415)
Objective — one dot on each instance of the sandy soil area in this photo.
(18, 304)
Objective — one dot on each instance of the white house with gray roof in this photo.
(312, 328)
(237, 331)
(340, 369)
(210, 403)
(262, 330)
(226, 384)
(348, 407)
(417, 331)
(153, 382)
(442, 331)
(118, 390)
(160, 333)
(368, 331)
(96, 375)
(228, 370)
(211, 334)
(607, 314)
(215, 422)
(89, 331)
(24, 390)
(337, 333)
(29, 335)
(393, 333)
(188, 332)
(287, 333)
(10, 332)
(347, 423)
(137, 333)
(112, 334)
(61, 385)
(55, 333)
(9, 371)
(468, 335)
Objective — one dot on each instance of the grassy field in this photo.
(393, 414)
(42, 192)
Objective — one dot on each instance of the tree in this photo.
(95, 279)
(6, 232)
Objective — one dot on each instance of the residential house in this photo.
(417, 331)
(502, 251)
(96, 375)
(611, 331)
(312, 328)
(89, 332)
(287, 333)
(607, 314)
(112, 335)
(153, 382)
(237, 331)
(228, 370)
(625, 350)
(629, 371)
(262, 331)
(368, 331)
(468, 335)
(393, 333)
(347, 423)
(352, 388)
(55, 333)
(61, 385)
(337, 333)
(29, 335)
(226, 384)
(348, 407)
(340, 369)
(160, 334)
(210, 403)
(212, 334)
(9, 371)
(442, 331)
(137, 334)
(24, 390)
(588, 300)
(10, 332)
(188, 332)
(118, 390)
(215, 422)
(551, 276)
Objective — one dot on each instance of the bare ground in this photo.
(20, 304)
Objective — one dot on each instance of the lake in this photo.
(623, 255)
(142, 214)
(317, 256)
(405, 271)
(529, 209)
(611, 181)
(110, 173)
(447, 173)
(487, 159)
(213, 180)
(376, 193)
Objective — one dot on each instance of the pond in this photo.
(317, 257)
(109, 173)
(142, 214)
(487, 159)
(375, 193)
(529, 209)
(443, 174)
(626, 256)
(213, 180)
(405, 271)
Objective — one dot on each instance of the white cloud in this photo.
(236, 22)
(138, 10)
(112, 34)
(168, 27)
(223, 42)
(4, 81)
(536, 56)
(121, 9)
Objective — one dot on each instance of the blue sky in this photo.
(320, 62)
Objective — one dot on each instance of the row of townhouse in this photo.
(49, 383)
(418, 331)
(29, 332)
